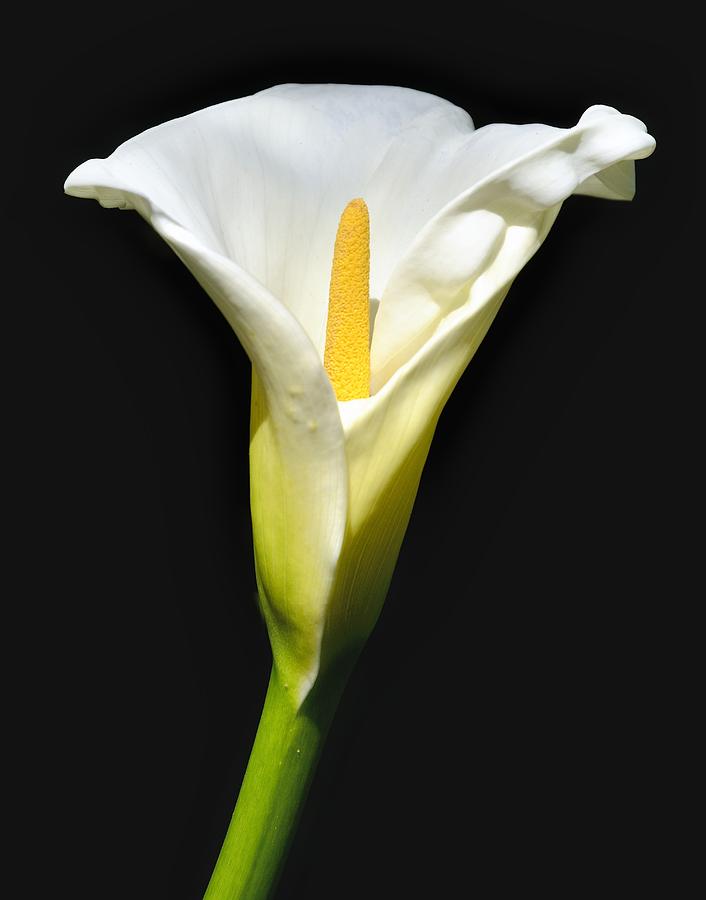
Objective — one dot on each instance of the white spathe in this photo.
(248, 193)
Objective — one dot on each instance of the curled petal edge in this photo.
(466, 237)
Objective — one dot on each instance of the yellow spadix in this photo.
(347, 352)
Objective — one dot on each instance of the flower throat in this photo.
(347, 351)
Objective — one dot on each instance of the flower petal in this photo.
(516, 174)
(298, 474)
(387, 442)
(263, 179)
(489, 232)
(298, 477)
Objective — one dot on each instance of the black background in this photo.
(517, 720)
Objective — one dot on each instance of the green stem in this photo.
(282, 762)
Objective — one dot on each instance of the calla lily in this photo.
(248, 194)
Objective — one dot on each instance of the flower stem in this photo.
(282, 762)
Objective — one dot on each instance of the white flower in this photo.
(248, 194)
